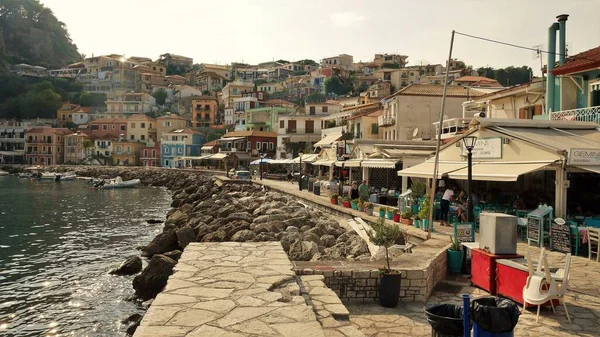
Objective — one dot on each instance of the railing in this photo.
(12, 140)
(385, 121)
(291, 130)
(589, 114)
(39, 141)
(452, 127)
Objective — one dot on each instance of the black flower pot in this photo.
(389, 290)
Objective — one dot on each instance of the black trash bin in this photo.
(494, 317)
(317, 188)
(446, 320)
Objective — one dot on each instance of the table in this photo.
(483, 269)
(511, 277)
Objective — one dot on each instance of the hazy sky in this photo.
(262, 30)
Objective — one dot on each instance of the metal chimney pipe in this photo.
(551, 62)
(562, 44)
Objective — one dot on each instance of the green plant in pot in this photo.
(361, 205)
(389, 214)
(354, 203)
(385, 234)
(417, 221)
(455, 256)
(368, 208)
(334, 198)
(346, 202)
(382, 211)
(396, 215)
(424, 214)
(340, 200)
(407, 217)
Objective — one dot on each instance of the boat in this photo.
(3, 173)
(25, 175)
(50, 176)
(119, 183)
(67, 176)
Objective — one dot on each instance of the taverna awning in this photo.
(328, 140)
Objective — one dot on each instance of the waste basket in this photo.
(309, 183)
(317, 188)
(446, 320)
(494, 317)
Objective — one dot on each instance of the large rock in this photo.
(174, 254)
(162, 243)
(185, 235)
(243, 236)
(154, 277)
(177, 218)
(327, 240)
(270, 218)
(217, 236)
(303, 250)
(132, 265)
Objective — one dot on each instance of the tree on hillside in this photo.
(334, 85)
(283, 61)
(161, 96)
(316, 97)
(90, 99)
(507, 76)
(213, 134)
(308, 62)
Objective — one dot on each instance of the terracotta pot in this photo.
(396, 217)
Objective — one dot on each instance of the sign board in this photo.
(485, 148)
(464, 232)
(540, 212)
(534, 226)
(560, 238)
(584, 157)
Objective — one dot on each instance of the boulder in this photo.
(174, 254)
(303, 250)
(270, 218)
(132, 265)
(154, 277)
(327, 240)
(178, 218)
(217, 236)
(243, 236)
(305, 228)
(162, 243)
(292, 229)
(318, 231)
(185, 235)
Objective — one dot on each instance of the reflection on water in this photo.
(57, 242)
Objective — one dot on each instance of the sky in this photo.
(263, 30)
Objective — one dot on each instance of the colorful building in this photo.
(45, 146)
(204, 111)
(64, 114)
(150, 154)
(180, 143)
(141, 128)
(126, 153)
(170, 122)
(114, 127)
(265, 119)
(78, 148)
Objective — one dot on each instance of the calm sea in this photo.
(57, 243)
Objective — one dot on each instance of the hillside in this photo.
(30, 33)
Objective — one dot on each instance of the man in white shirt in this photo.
(445, 204)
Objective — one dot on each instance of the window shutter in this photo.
(374, 129)
(538, 110)
(522, 113)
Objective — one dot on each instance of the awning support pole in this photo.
(439, 140)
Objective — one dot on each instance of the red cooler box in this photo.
(483, 269)
(511, 276)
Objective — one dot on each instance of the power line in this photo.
(524, 47)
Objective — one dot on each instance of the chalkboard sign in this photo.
(540, 212)
(533, 229)
(560, 238)
(464, 232)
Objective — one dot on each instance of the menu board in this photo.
(533, 229)
(560, 238)
(464, 232)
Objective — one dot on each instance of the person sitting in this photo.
(461, 205)
(290, 178)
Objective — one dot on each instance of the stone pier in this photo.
(231, 289)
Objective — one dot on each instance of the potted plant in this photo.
(346, 202)
(396, 215)
(334, 199)
(361, 206)
(424, 214)
(418, 189)
(385, 235)
(407, 217)
(354, 203)
(455, 256)
(382, 211)
(340, 200)
(417, 221)
(368, 208)
(389, 213)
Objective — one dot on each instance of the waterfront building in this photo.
(180, 143)
(115, 127)
(45, 146)
(79, 148)
(126, 153)
(265, 119)
(141, 128)
(102, 150)
(12, 144)
(150, 154)
(297, 132)
(170, 122)
(205, 111)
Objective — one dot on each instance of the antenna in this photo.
(537, 52)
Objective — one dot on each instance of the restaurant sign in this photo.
(584, 157)
(485, 148)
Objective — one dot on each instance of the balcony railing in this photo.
(385, 121)
(291, 130)
(590, 114)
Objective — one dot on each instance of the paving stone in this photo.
(160, 315)
(161, 331)
(255, 327)
(167, 299)
(221, 306)
(206, 330)
(249, 301)
(193, 317)
(241, 314)
(310, 329)
(204, 292)
(338, 311)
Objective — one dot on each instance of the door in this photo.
(291, 127)
(310, 127)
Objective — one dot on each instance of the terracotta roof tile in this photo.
(580, 62)
(251, 133)
(438, 90)
(474, 79)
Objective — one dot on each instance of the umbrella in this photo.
(264, 161)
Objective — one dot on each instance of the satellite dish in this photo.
(416, 132)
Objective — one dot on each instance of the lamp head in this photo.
(469, 142)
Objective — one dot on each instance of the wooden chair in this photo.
(593, 243)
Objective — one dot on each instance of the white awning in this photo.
(283, 161)
(323, 162)
(497, 171)
(207, 147)
(379, 163)
(192, 157)
(218, 156)
(328, 140)
(348, 163)
(595, 169)
(230, 139)
(306, 158)
(425, 170)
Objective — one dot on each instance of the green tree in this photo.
(390, 66)
(91, 99)
(161, 96)
(213, 134)
(316, 97)
(283, 61)
(308, 62)
(507, 76)
(334, 85)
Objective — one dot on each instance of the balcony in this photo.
(291, 130)
(39, 141)
(590, 114)
(385, 121)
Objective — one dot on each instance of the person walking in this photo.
(363, 190)
(445, 205)
(354, 194)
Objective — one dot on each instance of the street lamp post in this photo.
(260, 166)
(300, 153)
(469, 143)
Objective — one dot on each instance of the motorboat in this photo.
(3, 173)
(50, 176)
(119, 183)
(67, 176)
(25, 175)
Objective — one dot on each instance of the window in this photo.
(153, 153)
(374, 129)
(132, 125)
(114, 126)
(271, 146)
(234, 91)
(258, 145)
(64, 117)
(179, 150)
(122, 127)
(104, 127)
(312, 110)
(324, 109)
(131, 137)
(260, 95)
(143, 125)
(264, 146)
(166, 149)
(281, 124)
(143, 137)
(248, 145)
(118, 148)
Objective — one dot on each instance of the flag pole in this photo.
(439, 141)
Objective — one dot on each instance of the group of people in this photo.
(460, 202)
(359, 191)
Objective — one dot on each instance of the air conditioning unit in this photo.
(481, 114)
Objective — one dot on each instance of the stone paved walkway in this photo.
(231, 289)
(583, 302)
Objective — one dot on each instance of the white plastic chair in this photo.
(593, 242)
(534, 292)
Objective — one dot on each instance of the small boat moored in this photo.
(50, 176)
(25, 175)
(118, 183)
(67, 176)
(3, 173)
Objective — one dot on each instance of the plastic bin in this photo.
(494, 317)
(317, 189)
(446, 320)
